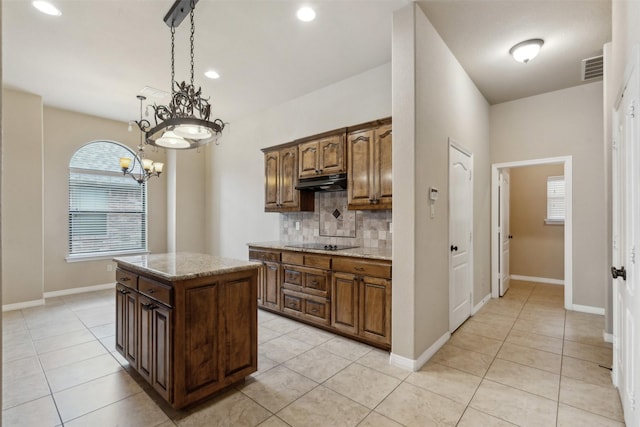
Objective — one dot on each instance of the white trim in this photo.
(107, 256)
(538, 279)
(607, 337)
(415, 365)
(21, 305)
(567, 162)
(587, 309)
(81, 290)
(481, 304)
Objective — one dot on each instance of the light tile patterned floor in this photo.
(522, 360)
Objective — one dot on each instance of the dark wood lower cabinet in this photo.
(347, 295)
(189, 338)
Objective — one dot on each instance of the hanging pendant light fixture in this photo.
(148, 168)
(184, 123)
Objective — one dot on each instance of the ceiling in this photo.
(100, 53)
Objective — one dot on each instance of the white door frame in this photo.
(567, 162)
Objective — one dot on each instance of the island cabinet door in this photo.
(239, 321)
(145, 337)
(161, 351)
(127, 324)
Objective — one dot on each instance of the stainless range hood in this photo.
(336, 182)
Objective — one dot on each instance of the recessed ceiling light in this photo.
(306, 14)
(212, 74)
(46, 7)
(526, 50)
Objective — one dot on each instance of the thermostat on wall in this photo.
(433, 194)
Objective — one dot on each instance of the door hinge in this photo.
(470, 237)
(633, 254)
(632, 111)
(614, 144)
(470, 174)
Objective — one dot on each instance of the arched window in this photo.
(107, 210)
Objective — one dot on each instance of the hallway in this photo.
(522, 360)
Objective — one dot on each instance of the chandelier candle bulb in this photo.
(147, 164)
(158, 167)
(125, 162)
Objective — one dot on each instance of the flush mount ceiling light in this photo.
(212, 74)
(46, 7)
(306, 14)
(184, 123)
(526, 50)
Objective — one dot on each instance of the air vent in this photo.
(592, 68)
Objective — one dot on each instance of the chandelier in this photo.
(148, 168)
(185, 122)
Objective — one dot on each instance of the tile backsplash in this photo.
(332, 223)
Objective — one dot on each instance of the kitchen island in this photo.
(187, 323)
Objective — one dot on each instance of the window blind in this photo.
(555, 198)
(107, 211)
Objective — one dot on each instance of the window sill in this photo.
(103, 256)
(554, 221)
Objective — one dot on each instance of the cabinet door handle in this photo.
(314, 283)
(272, 268)
(150, 290)
(359, 268)
(149, 306)
(125, 279)
(123, 291)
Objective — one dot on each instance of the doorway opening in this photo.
(498, 170)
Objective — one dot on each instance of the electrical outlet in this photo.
(297, 225)
(109, 267)
(390, 227)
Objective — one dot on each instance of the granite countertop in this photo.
(184, 265)
(371, 253)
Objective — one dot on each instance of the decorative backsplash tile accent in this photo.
(371, 228)
(335, 219)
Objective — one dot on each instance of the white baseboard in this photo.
(21, 305)
(587, 309)
(537, 279)
(415, 365)
(481, 304)
(607, 337)
(81, 290)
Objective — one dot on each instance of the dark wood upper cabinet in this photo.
(281, 178)
(369, 167)
(322, 156)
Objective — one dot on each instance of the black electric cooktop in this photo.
(320, 246)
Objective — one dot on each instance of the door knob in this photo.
(454, 248)
(510, 236)
(615, 273)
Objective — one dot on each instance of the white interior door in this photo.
(505, 233)
(626, 202)
(460, 236)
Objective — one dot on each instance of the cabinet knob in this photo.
(359, 268)
(125, 279)
(123, 291)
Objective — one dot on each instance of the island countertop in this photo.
(183, 265)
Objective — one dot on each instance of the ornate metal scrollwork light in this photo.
(185, 122)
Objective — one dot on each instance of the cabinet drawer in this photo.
(155, 290)
(258, 255)
(127, 278)
(317, 311)
(362, 268)
(317, 284)
(292, 277)
(291, 303)
(292, 258)
(317, 261)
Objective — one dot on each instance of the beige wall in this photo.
(433, 100)
(235, 168)
(190, 201)
(22, 192)
(537, 248)
(38, 235)
(567, 122)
